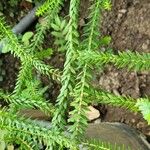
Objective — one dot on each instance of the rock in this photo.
(97, 121)
(39, 115)
(113, 133)
(118, 133)
(93, 113)
(145, 45)
(81, 22)
(123, 11)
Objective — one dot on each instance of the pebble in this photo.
(11, 15)
(133, 120)
(92, 113)
(140, 125)
(123, 11)
(145, 45)
(97, 121)
(81, 22)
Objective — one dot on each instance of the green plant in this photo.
(13, 2)
(76, 91)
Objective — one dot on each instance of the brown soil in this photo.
(128, 25)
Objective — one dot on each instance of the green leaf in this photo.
(105, 40)
(144, 107)
(26, 37)
(2, 143)
(107, 4)
(5, 47)
(44, 53)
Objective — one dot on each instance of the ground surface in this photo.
(128, 25)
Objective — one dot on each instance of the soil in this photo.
(128, 25)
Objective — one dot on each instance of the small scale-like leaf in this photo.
(26, 37)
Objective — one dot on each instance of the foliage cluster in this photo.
(77, 91)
